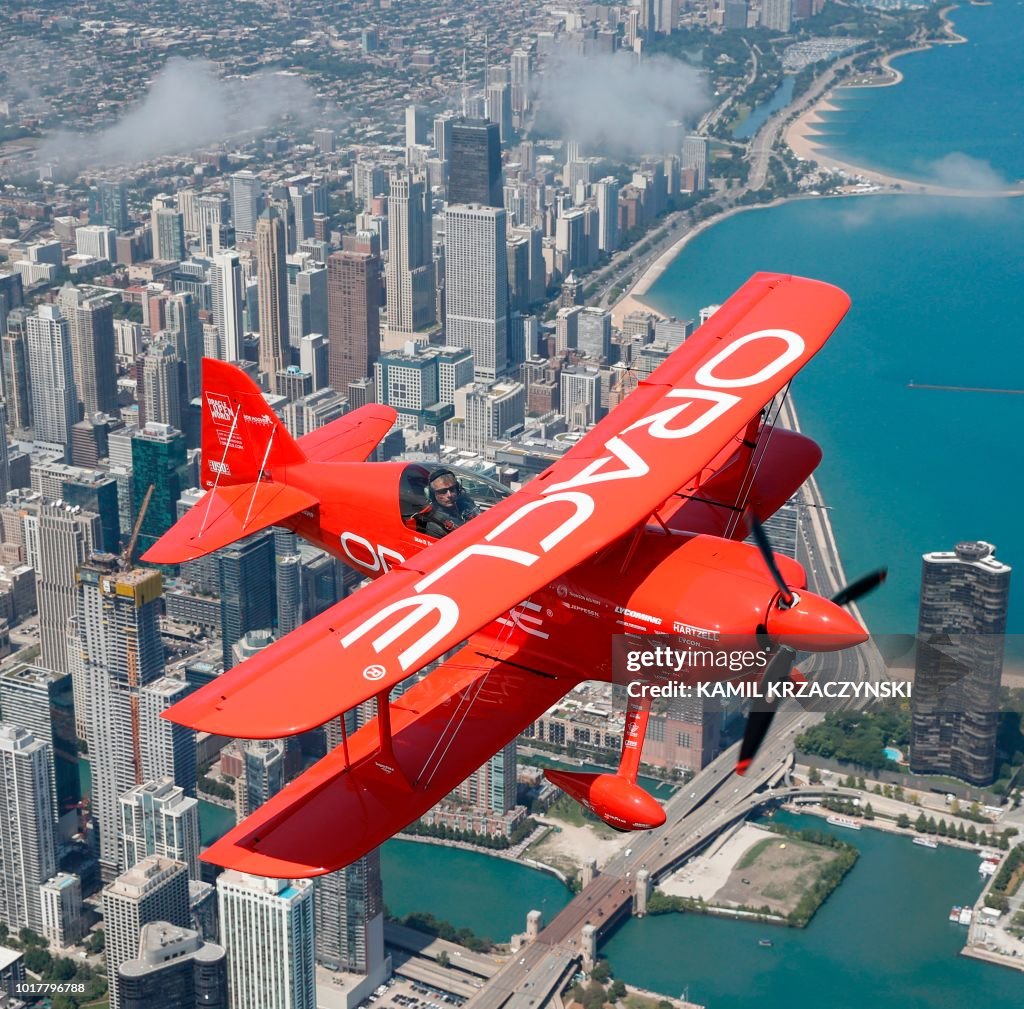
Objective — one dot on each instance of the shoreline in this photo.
(799, 136)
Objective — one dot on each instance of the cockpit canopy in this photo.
(413, 499)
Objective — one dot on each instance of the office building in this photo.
(158, 818)
(263, 762)
(607, 193)
(161, 393)
(174, 969)
(581, 397)
(499, 110)
(410, 265)
(226, 295)
(91, 329)
(476, 279)
(158, 461)
(267, 927)
(42, 701)
(54, 399)
(735, 15)
(307, 301)
(272, 287)
(27, 852)
(184, 332)
(350, 917)
(246, 589)
(487, 412)
(415, 125)
(246, 197)
(156, 889)
(353, 316)
(66, 536)
(961, 629)
(474, 166)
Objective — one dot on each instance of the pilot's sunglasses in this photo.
(445, 490)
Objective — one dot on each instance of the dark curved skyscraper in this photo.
(961, 625)
(475, 163)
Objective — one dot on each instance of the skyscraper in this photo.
(607, 192)
(27, 853)
(961, 627)
(474, 165)
(777, 15)
(350, 917)
(499, 109)
(42, 701)
(15, 372)
(695, 156)
(476, 281)
(267, 927)
(307, 300)
(246, 589)
(158, 461)
(226, 294)
(174, 969)
(67, 535)
(272, 284)
(410, 267)
(493, 785)
(168, 228)
(111, 205)
(246, 195)
(91, 327)
(156, 889)
(185, 333)
(353, 316)
(11, 297)
(157, 818)
(264, 771)
(119, 639)
(520, 80)
(51, 368)
(161, 394)
(169, 749)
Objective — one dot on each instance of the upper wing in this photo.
(657, 440)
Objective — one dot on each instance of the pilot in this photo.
(450, 506)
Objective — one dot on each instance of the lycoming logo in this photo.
(622, 461)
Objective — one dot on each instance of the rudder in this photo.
(241, 436)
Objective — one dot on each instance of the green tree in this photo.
(617, 990)
(921, 823)
(814, 776)
(601, 972)
(443, 959)
(903, 820)
(869, 812)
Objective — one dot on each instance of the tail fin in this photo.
(242, 438)
(246, 451)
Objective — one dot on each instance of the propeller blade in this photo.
(761, 539)
(861, 587)
(759, 721)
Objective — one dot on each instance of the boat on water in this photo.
(765, 942)
(954, 914)
(843, 821)
(966, 914)
(926, 842)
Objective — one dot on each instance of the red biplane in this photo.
(637, 529)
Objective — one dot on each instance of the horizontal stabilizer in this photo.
(443, 728)
(350, 438)
(225, 515)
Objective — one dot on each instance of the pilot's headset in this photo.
(436, 475)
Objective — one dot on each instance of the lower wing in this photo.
(442, 729)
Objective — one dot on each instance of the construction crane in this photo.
(126, 554)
